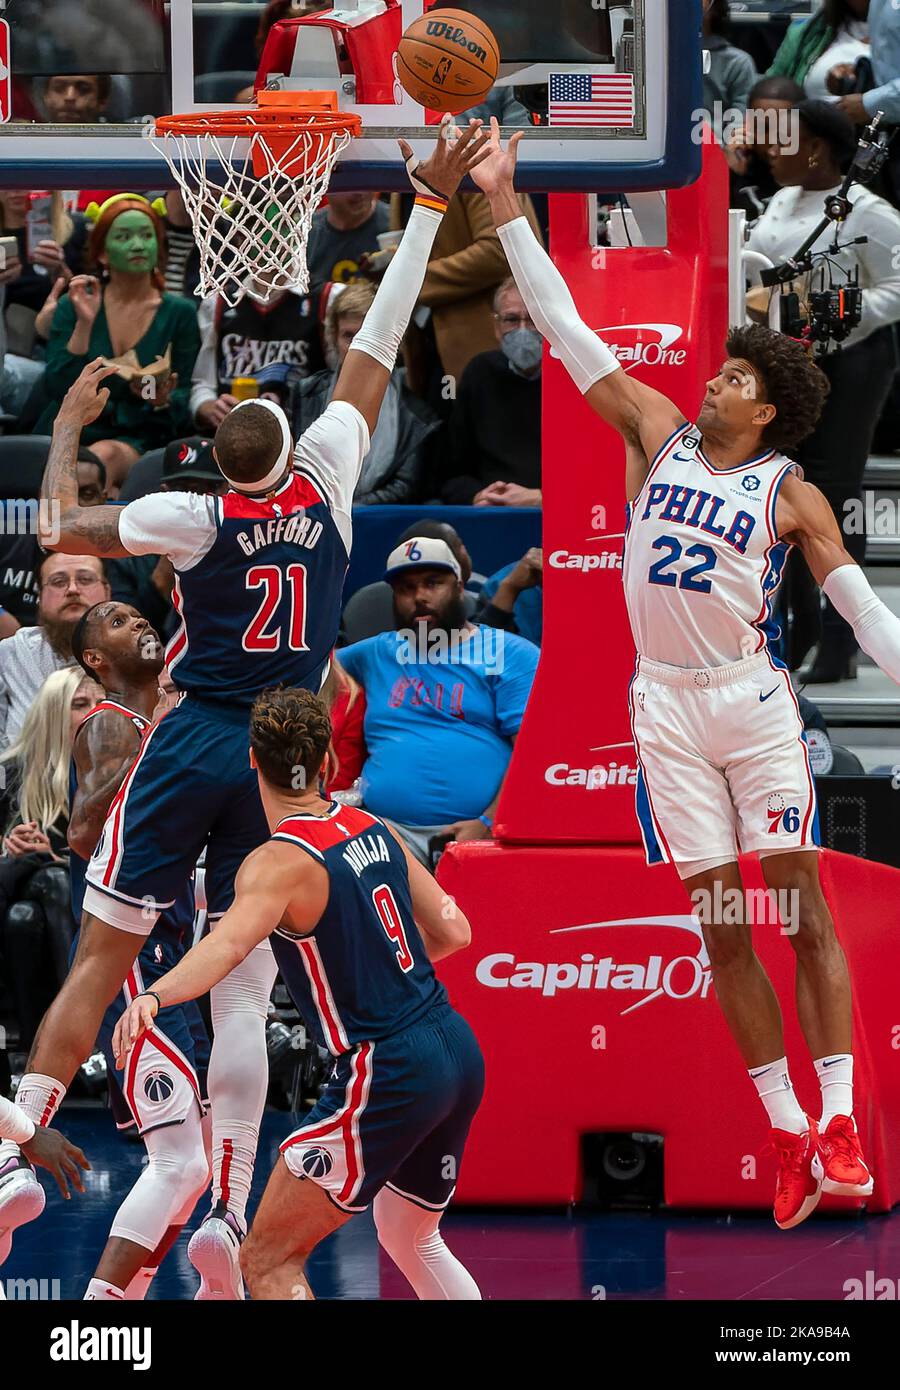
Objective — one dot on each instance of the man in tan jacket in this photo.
(466, 267)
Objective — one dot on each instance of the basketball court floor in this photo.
(520, 1255)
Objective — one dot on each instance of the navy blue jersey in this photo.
(258, 580)
(173, 932)
(363, 972)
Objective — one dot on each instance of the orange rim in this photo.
(279, 120)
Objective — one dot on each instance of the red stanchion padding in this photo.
(664, 311)
(588, 986)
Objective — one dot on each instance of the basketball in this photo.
(448, 60)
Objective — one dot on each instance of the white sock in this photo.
(411, 1236)
(773, 1085)
(835, 1075)
(98, 1291)
(40, 1097)
(233, 1166)
(140, 1284)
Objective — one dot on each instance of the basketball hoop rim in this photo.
(280, 120)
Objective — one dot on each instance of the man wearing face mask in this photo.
(494, 450)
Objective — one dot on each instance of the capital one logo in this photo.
(654, 976)
(645, 344)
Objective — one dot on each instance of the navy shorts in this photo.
(191, 785)
(395, 1113)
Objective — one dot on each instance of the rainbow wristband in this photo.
(433, 202)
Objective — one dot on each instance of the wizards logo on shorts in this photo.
(316, 1163)
(158, 1086)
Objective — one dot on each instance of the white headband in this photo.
(276, 474)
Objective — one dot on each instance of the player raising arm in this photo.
(646, 419)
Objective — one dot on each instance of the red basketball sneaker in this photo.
(846, 1173)
(800, 1173)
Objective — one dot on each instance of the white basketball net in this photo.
(252, 231)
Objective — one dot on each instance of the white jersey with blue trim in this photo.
(703, 559)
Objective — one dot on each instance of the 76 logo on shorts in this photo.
(781, 816)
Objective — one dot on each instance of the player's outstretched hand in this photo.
(451, 160)
(86, 399)
(51, 1150)
(497, 170)
(135, 1021)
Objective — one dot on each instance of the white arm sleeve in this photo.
(178, 524)
(204, 382)
(585, 357)
(330, 454)
(14, 1123)
(877, 629)
(388, 319)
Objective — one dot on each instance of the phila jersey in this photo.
(703, 560)
(258, 580)
(363, 973)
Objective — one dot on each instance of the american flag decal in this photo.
(592, 99)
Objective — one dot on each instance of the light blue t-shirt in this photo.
(438, 721)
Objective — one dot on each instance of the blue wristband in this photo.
(486, 820)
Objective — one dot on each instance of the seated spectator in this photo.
(8, 624)
(393, 469)
(444, 703)
(21, 555)
(36, 922)
(346, 701)
(466, 268)
(732, 72)
(752, 184)
(812, 47)
(128, 312)
(495, 432)
(273, 344)
(182, 274)
(69, 585)
(512, 598)
(79, 98)
(344, 231)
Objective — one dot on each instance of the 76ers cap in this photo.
(190, 458)
(422, 553)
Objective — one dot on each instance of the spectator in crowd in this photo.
(346, 701)
(76, 98)
(377, 600)
(273, 344)
(343, 232)
(835, 455)
(877, 89)
(466, 268)
(444, 703)
(20, 553)
(182, 273)
(512, 598)
(274, 11)
(69, 585)
(8, 624)
(36, 922)
(495, 432)
(752, 184)
(129, 312)
(393, 469)
(732, 72)
(812, 47)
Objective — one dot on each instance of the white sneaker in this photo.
(21, 1199)
(215, 1253)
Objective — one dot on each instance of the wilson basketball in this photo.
(448, 60)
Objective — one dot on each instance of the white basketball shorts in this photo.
(723, 766)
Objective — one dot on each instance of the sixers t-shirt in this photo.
(438, 731)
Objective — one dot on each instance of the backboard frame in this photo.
(668, 156)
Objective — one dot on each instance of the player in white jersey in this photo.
(713, 509)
